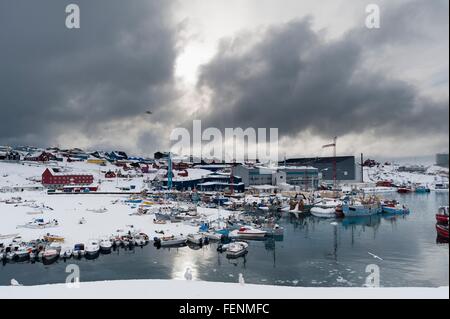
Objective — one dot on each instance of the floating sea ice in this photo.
(230, 275)
(295, 282)
(334, 223)
(263, 280)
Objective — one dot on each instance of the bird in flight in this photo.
(148, 112)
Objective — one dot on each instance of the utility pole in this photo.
(362, 168)
(232, 177)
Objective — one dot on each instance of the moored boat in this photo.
(92, 247)
(421, 189)
(325, 209)
(393, 207)
(105, 245)
(213, 235)
(360, 209)
(170, 240)
(442, 230)
(65, 252)
(248, 232)
(442, 215)
(404, 190)
(50, 255)
(196, 239)
(78, 250)
(236, 249)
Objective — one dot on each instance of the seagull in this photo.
(15, 282)
(375, 256)
(188, 274)
(241, 279)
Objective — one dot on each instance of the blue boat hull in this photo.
(355, 211)
(393, 210)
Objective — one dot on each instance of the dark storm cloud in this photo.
(52, 79)
(295, 80)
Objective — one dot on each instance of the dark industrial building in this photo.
(345, 166)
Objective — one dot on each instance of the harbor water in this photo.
(313, 252)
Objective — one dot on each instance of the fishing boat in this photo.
(170, 240)
(105, 245)
(248, 232)
(442, 215)
(421, 189)
(393, 207)
(441, 187)
(78, 250)
(360, 209)
(236, 249)
(442, 230)
(196, 239)
(325, 209)
(404, 190)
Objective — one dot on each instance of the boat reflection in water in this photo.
(366, 221)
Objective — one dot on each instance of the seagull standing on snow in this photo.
(241, 279)
(15, 282)
(188, 274)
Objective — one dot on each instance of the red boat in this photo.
(442, 230)
(442, 215)
(404, 190)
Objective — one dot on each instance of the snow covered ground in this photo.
(68, 209)
(180, 289)
(433, 174)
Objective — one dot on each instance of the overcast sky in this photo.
(309, 68)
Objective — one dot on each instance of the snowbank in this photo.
(179, 289)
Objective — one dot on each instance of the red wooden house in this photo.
(53, 179)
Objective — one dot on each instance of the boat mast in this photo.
(334, 166)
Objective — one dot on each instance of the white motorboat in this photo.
(78, 250)
(441, 187)
(236, 249)
(170, 240)
(213, 236)
(248, 232)
(325, 209)
(140, 239)
(23, 252)
(196, 239)
(50, 255)
(65, 252)
(105, 245)
(92, 247)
